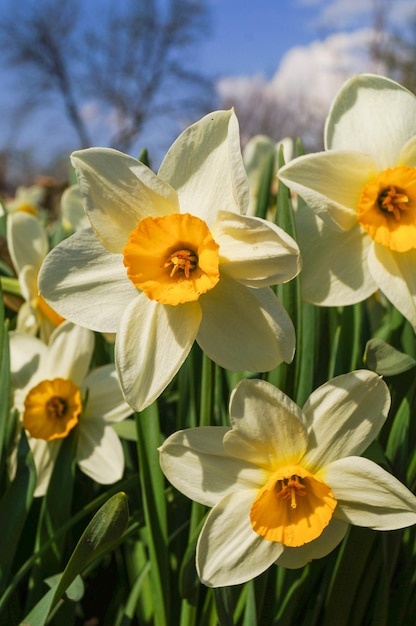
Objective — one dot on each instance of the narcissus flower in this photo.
(26, 200)
(28, 245)
(285, 482)
(72, 210)
(359, 232)
(172, 258)
(55, 392)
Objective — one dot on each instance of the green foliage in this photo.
(135, 564)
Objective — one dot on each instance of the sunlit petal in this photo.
(85, 283)
(152, 343)
(105, 398)
(267, 427)
(360, 118)
(394, 273)
(208, 150)
(100, 453)
(26, 239)
(344, 416)
(330, 183)
(69, 354)
(335, 270)
(229, 552)
(245, 329)
(119, 191)
(369, 496)
(255, 252)
(196, 463)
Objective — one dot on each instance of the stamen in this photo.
(184, 260)
(290, 488)
(293, 507)
(56, 407)
(164, 251)
(387, 208)
(391, 200)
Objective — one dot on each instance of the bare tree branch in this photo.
(132, 60)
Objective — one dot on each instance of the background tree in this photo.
(123, 62)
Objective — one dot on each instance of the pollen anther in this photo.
(182, 260)
(56, 407)
(290, 488)
(391, 200)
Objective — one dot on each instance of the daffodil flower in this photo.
(26, 200)
(359, 233)
(55, 392)
(285, 482)
(172, 258)
(258, 152)
(72, 210)
(28, 245)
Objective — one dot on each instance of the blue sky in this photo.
(251, 36)
(293, 45)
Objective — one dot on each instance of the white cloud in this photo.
(345, 13)
(297, 99)
(317, 71)
(349, 14)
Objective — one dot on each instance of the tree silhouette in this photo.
(132, 60)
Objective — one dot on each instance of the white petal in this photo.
(267, 425)
(69, 354)
(25, 355)
(335, 269)
(44, 456)
(330, 183)
(394, 273)
(99, 452)
(332, 535)
(28, 322)
(26, 239)
(119, 191)
(206, 168)
(28, 282)
(105, 398)
(255, 252)
(151, 345)
(408, 153)
(196, 463)
(361, 118)
(245, 329)
(85, 283)
(369, 496)
(72, 209)
(344, 416)
(229, 552)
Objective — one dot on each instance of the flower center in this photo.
(293, 507)
(184, 260)
(387, 208)
(52, 409)
(56, 407)
(173, 259)
(28, 208)
(290, 489)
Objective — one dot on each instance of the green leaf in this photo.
(386, 360)
(154, 504)
(75, 590)
(15, 505)
(105, 528)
